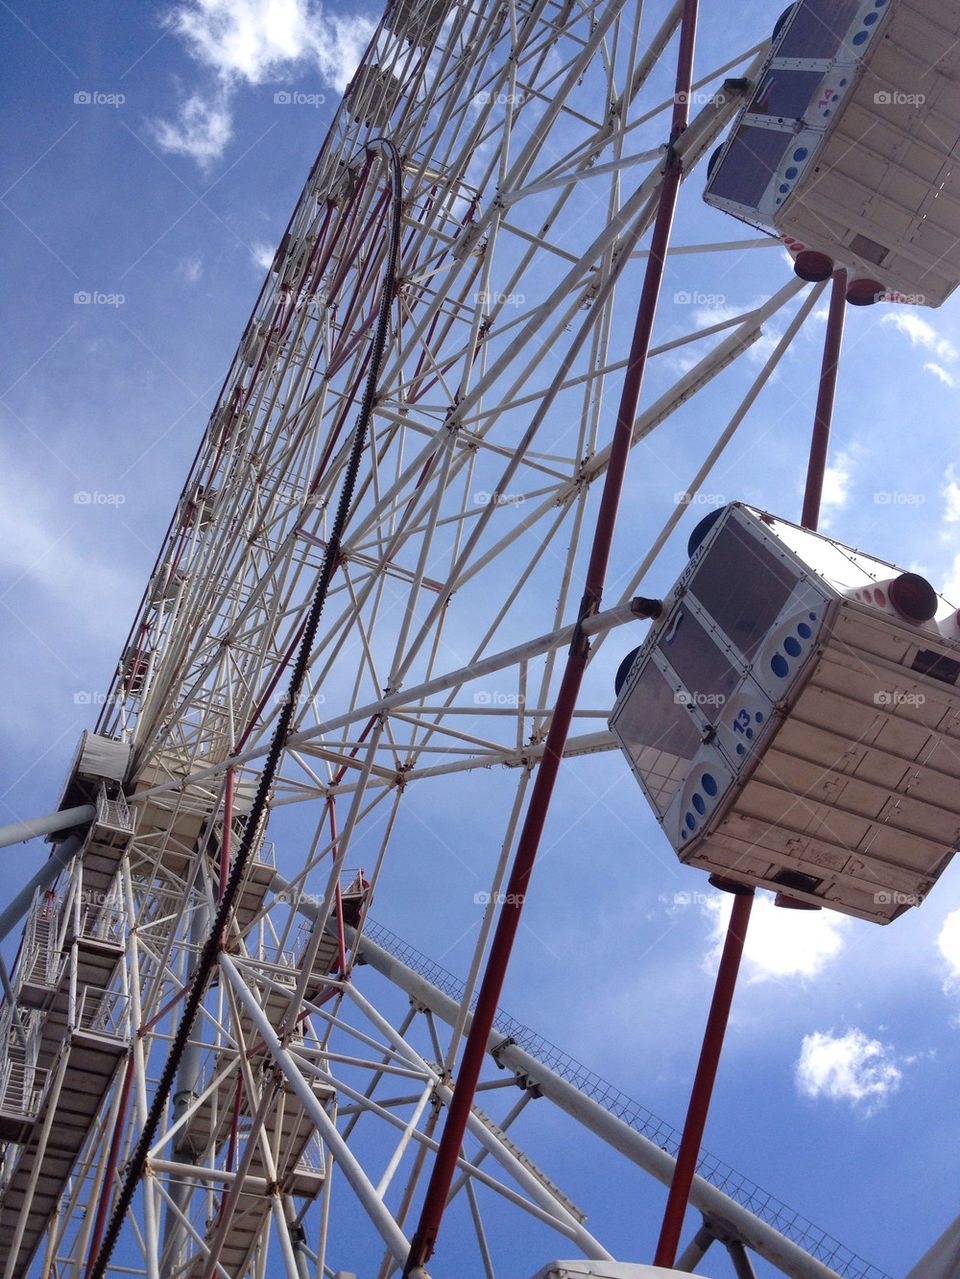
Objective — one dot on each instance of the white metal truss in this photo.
(531, 137)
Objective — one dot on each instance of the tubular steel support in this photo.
(703, 1081)
(509, 921)
(61, 856)
(817, 465)
(22, 832)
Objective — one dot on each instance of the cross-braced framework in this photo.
(531, 137)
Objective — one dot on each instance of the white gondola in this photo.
(794, 718)
(846, 149)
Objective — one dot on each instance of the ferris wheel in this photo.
(367, 592)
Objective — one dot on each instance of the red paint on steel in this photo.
(703, 1081)
(817, 465)
(509, 920)
(149, 1025)
(232, 1145)
(110, 1173)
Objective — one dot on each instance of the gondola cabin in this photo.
(793, 718)
(846, 149)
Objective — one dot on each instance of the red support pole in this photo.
(106, 1191)
(509, 920)
(817, 466)
(703, 1081)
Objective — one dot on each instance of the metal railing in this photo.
(103, 916)
(104, 1014)
(40, 960)
(113, 814)
(22, 1086)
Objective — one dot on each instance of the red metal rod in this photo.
(174, 999)
(703, 1081)
(509, 920)
(817, 466)
(232, 1145)
(111, 1170)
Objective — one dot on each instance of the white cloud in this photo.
(836, 481)
(191, 269)
(946, 378)
(250, 42)
(951, 492)
(780, 943)
(948, 940)
(201, 130)
(258, 40)
(262, 254)
(848, 1067)
(921, 333)
(951, 583)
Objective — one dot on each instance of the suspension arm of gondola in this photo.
(207, 960)
(820, 440)
(508, 923)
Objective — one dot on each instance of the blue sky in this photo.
(148, 174)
